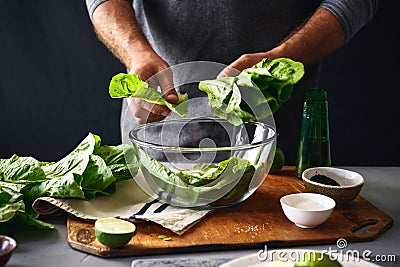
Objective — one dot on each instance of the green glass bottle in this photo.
(314, 144)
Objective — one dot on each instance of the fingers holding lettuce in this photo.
(148, 104)
(146, 69)
(243, 62)
(246, 61)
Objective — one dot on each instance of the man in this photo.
(154, 34)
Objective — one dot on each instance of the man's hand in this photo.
(147, 65)
(244, 62)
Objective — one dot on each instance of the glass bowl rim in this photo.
(199, 149)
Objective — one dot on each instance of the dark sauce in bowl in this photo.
(322, 179)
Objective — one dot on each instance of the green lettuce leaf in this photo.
(125, 85)
(123, 172)
(97, 177)
(8, 210)
(224, 96)
(277, 76)
(198, 182)
(245, 97)
(21, 170)
(201, 175)
(121, 160)
(112, 154)
(68, 185)
(159, 170)
(232, 172)
(11, 192)
(4, 196)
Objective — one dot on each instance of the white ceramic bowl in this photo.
(350, 183)
(307, 210)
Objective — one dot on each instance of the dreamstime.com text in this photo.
(338, 254)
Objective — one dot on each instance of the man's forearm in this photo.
(116, 26)
(318, 37)
(315, 39)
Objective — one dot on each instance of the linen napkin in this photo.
(128, 202)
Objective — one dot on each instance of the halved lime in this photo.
(114, 233)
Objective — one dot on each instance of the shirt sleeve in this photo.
(92, 5)
(352, 14)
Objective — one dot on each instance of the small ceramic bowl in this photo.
(307, 210)
(7, 246)
(350, 183)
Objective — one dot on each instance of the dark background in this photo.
(54, 77)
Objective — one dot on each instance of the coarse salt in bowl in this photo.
(307, 210)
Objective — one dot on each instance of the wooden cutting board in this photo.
(256, 222)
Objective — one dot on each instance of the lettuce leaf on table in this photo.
(21, 170)
(125, 85)
(90, 169)
(121, 160)
(244, 97)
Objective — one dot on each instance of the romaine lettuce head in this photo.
(90, 169)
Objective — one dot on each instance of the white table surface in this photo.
(50, 248)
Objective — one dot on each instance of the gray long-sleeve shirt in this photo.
(236, 26)
(221, 31)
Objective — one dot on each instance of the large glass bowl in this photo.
(202, 162)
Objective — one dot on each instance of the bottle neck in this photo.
(316, 95)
